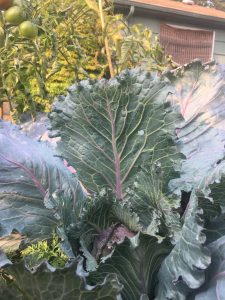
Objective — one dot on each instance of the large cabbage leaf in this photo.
(8, 292)
(30, 176)
(158, 212)
(109, 129)
(215, 228)
(196, 86)
(214, 289)
(184, 268)
(136, 263)
(199, 90)
(45, 282)
(212, 201)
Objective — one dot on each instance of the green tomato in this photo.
(28, 30)
(15, 15)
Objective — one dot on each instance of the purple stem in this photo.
(118, 190)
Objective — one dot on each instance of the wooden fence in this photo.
(5, 111)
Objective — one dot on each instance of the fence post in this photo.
(5, 111)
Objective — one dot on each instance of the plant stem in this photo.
(108, 55)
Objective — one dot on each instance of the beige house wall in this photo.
(154, 25)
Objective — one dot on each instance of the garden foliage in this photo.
(147, 222)
(69, 46)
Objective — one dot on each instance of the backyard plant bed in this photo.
(148, 220)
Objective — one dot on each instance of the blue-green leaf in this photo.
(110, 128)
(30, 179)
(214, 289)
(46, 282)
(136, 263)
(184, 268)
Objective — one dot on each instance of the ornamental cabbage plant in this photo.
(143, 216)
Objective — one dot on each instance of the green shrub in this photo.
(45, 250)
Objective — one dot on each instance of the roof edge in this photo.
(167, 10)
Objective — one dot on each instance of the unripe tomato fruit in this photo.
(5, 4)
(28, 30)
(14, 15)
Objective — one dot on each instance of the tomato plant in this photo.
(45, 53)
(61, 42)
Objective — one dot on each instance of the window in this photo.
(186, 44)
